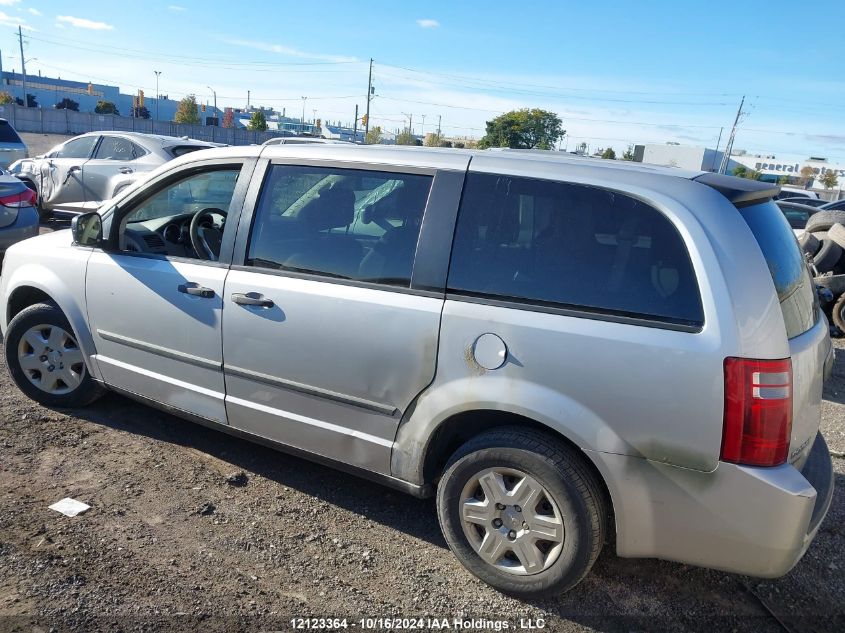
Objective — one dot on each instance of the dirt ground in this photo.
(178, 540)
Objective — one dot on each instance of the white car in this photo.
(79, 174)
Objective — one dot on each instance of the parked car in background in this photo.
(796, 213)
(79, 174)
(811, 202)
(303, 140)
(561, 350)
(18, 215)
(12, 148)
(787, 191)
(836, 205)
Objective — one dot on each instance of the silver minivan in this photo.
(563, 351)
(12, 147)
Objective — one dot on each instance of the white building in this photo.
(770, 166)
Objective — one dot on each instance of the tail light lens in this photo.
(25, 198)
(758, 411)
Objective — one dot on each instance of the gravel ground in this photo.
(193, 530)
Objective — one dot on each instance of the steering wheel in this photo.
(205, 237)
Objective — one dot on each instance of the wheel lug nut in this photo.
(51, 368)
(517, 508)
(497, 523)
(500, 506)
(512, 535)
(42, 358)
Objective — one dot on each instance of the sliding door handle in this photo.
(252, 299)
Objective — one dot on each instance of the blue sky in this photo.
(615, 71)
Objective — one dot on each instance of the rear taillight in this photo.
(758, 411)
(25, 198)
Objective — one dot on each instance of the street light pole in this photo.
(158, 95)
(302, 121)
(214, 92)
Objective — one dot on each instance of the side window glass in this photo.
(574, 246)
(161, 223)
(115, 148)
(341, 223)
(77, 148)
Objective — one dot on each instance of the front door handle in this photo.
(195, 290)
(125, 170)
(252, 299)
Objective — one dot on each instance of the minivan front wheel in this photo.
(45, 360)
(522, 512)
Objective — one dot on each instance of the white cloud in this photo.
(290, 52)
(10, 20)
(82, 23)
(9, 3)
(176, 8)
(34, 12)
(428, 23)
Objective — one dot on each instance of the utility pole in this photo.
(355, 126)
(214, 93)
(438, 124)
(716, 153)
(422, 130)
(369, 96)
(23, 68)
(302, 124)
(726, 157)
(247, 100)
(158, 94)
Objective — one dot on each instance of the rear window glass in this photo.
(181, 150)
(573, 246)
(8, 134)
(790, 273)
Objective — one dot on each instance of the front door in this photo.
(325, 344)
(113, 161)
(154, 302)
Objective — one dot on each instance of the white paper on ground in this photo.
(69, 507)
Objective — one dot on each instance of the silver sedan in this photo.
(79, 174)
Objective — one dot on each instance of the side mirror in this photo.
(87, 229)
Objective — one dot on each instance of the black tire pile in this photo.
(823, 241)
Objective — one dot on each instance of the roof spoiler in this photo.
(740, 191)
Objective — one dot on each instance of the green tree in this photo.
(68, 104)
(106, 107)
(31, 101)
(186, 111)
(524, 129)
(629, 153)
(609, 153)
(5, 98)
(433, 139)
(373, 136)
(258, 123)
(739, 171)
(829, 179)
(406, 138)
(783, 180)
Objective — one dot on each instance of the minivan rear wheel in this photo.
(45, 360)
(522, 512)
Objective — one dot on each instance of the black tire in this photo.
(45, 314)
(838, 313)
(810, 244)
(834, 283)
(828, 256)
(823, 220)
(561, 470)
(836, 233)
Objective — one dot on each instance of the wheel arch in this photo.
(34, 291)
(459, 428)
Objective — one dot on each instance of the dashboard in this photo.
(163, 236)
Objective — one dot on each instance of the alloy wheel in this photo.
(51, 359)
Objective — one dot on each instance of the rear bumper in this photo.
(754, 521)
(24, 227)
